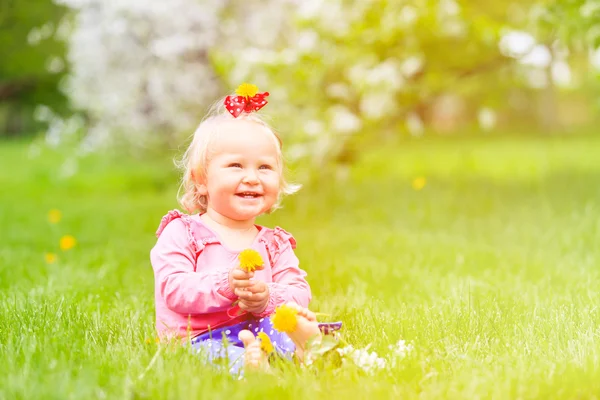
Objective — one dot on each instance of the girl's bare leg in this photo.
(254, 358)
(306, 329)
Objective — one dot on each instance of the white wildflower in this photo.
(362, 358)
(345, 350)
(399, 351)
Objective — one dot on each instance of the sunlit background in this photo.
(341, 74)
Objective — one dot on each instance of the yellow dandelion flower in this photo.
(246, 90)
(50, 258)
(147, 340)
(67, 242)
(419, 183)
(54, 216)
(265, 342)
(284, 319)
(250, 260)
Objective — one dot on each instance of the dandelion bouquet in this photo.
(250, 260)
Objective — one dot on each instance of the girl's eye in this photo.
(265, 166)
(235, 165)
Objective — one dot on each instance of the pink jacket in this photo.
(191, 272)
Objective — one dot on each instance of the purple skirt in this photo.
(223, 343)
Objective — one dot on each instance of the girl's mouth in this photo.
(248, 195)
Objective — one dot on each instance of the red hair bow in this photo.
(248, 100)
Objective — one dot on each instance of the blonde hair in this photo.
(194, 161)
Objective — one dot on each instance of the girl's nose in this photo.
(251, 177)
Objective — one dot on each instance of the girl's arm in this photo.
(185, 290)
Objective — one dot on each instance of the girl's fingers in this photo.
(241, 275)
(251, 304)
(257, 287)
(247, 295)
(243, 294)
(236, 283)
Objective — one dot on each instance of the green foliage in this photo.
(575, 22)
(490, 270)
(400, 58)
(24, 77)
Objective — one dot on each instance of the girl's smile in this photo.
(243, 174)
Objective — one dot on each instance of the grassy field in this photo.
(484, 254)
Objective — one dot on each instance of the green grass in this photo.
(491, 271)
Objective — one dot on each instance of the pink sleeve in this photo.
(185, 290)
(289, 283)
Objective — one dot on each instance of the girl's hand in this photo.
(239, 280)
(255, 298)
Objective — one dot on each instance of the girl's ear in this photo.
(200, 185)
(202, 190)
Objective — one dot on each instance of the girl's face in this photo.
(243, 172)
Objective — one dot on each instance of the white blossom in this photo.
(43, 113)
(307, 40)
(516, 43)
(313, 127)
(138, 67)
(338, 91)
(343, 120)
(539, 56)
(386, 74)
(377, 104)
(414, 124)
(561, 73)
(55, 65)
(411, 66)
(408, 15)
(486, 118)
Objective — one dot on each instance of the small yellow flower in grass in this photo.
(50, 258)
(284, 319)
(246, 90)
(265, 342)
(250, 260)
(54, 216)
(419, 183)
(67, 242)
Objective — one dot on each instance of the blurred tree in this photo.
(566, 27)
(31, 63)
(341, 73)
(143, 72)
(359, 69)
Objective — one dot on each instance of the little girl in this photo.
(233, 172)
